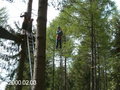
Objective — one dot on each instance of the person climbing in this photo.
(25, 22)
(59, 38)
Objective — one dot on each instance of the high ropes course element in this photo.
(62, 62)
(29, 38)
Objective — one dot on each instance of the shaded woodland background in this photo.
(90, 57)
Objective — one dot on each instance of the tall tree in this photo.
(115, 51)
(40, 59)
(21, 65)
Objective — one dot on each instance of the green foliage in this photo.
(75, 20)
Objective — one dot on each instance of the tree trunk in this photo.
(21, 64)
(53, 83)
(99, 71)
(61, 72)
(65, 73)
(23, 51)
(39, 63)
(93, 49)
(29, 9)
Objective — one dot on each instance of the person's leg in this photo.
(56, 43)
(60, 43)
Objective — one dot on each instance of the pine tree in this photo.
(40, 60)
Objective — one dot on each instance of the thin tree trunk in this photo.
(104, 79)
(40, 60)
(95, 61)
(105, 75)
(92, 47)
(99, 70)
(29, 9)
(61, 71)
(65, 73)
(53, 83)
(95, 55)
(93, 50)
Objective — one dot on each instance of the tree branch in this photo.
(7, 35)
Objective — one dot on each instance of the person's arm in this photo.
(57, 32)
(22, 15)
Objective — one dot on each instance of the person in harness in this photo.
(59, 38)
(27, 23)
